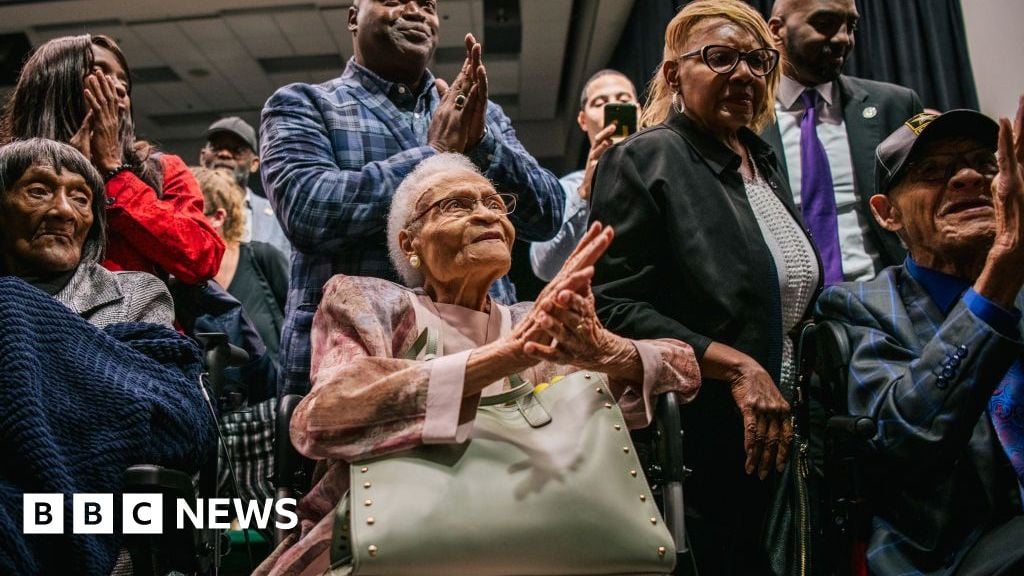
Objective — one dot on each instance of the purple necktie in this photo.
(1006, 408)
(817, 196)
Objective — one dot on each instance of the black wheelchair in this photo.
(188, 551)
(839, 486)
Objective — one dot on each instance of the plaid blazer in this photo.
(937, 476)
(333, 155)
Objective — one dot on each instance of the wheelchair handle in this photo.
(859, 427)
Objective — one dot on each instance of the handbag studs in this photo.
(632, 473)
(367, 484)
(617, 427)
(661, 551)
(370, 520)
(364, 469)
(372, 550)
(625, 449)
(654, 520)
(643, 498)
(368, 503)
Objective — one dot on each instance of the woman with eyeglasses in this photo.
(450, 238)
(710, 250)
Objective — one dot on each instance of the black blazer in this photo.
(893, 105)
(688, 260)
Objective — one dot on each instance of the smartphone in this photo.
(622, 113)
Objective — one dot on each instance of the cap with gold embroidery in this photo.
(894, 152)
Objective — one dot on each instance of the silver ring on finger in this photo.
(460, 101)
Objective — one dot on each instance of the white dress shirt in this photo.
(861, 259)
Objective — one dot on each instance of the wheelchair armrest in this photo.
(289, 472)
(291, 478)
(153, 478)
(669, 434)
(833, 364)
(861, 428)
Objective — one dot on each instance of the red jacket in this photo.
(168, 234)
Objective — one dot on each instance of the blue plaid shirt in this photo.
(333, 155)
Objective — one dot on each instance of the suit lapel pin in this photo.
(870, 112)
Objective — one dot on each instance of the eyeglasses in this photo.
(459, 206)
(724, 59)
(939, 168)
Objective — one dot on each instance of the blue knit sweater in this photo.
(78, 406)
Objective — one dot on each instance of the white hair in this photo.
(408, 194)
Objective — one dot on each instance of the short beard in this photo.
(241, 174)
(820, 74)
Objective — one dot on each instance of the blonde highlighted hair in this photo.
(221, 190)
(659, 100)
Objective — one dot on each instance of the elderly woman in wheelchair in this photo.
(373, 395)
(95, 378)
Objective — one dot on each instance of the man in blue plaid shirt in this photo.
(334, 153)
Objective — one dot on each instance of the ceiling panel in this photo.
(190, 62)
(336, 21)
(260, 34)
(231, 59)
(545, 33)
(306, 31)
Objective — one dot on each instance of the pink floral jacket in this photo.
(366, 400)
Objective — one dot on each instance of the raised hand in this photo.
(82, 139)
(1003, 275)
(107, 117)
(602, 142)
(574, 277)
(458, 121)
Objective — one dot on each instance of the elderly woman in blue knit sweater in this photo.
(94, 378)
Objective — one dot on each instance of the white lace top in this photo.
(795, 262)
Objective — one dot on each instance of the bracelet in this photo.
(109, 175)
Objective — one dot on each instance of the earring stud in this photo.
(414, 261)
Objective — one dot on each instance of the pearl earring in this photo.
(414, 261)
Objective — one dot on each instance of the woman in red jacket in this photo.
(77, 89)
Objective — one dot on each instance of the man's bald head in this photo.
(815, 37)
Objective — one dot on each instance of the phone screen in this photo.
(624, 114)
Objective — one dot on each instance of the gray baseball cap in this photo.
(893, 154)
(238, 127)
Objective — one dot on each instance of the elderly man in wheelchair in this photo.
(935, 350)
(95, 378)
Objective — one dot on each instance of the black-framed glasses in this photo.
(724, 59)
(457, 206)
(939, 168)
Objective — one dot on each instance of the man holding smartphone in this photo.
(603, 129)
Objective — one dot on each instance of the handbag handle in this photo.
(532, 410)
(430, 340)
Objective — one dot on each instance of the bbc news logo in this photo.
(144, 513)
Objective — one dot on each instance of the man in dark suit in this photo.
(827, 128)
(937, 351)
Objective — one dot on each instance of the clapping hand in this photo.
(458, 123)
(533, 335)
(1001, 279)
